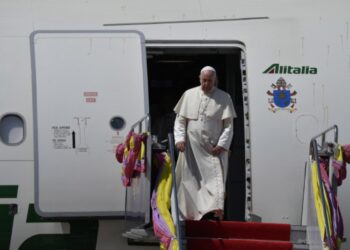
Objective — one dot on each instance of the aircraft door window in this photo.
(117, 123)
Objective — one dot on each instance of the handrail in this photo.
(315, 155)
(139, 122)
(172, 156)
(335, 127)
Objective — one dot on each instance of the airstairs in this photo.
(210, 234)
(230, 235)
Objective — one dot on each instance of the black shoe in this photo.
(210, 216)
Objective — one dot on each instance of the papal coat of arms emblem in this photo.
(281, 97)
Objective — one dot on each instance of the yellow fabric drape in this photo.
(164, 198)
(318, 203)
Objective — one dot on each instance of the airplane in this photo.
(77, 76)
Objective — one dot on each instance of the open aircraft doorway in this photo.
(174, 68)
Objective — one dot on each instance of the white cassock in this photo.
(203, 121)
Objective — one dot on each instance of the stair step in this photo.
(298, 235)
(141, 235)
(301, 247)
(299, 238)
(238, 230)
(241, 244)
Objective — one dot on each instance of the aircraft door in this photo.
(89, 87)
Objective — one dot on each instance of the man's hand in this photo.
(181, 146)
(217, 150)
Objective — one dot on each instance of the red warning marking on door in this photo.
(90, 96)
(90, 93)
(90, 99)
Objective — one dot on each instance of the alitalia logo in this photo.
(282, 69)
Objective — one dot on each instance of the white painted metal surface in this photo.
(82, 80)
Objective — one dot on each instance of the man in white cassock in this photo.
(203, 133)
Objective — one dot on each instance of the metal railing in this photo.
(316, 150)
(139, 123)
(177, 222)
